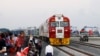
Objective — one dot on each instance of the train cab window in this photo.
(63, 24)
(55, 24)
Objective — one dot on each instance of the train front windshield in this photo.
(59, 24)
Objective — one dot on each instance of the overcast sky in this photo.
(29, 13)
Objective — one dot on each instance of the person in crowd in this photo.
(7, 38)
(15, 37)
(12, 48)
(20, 41)
(2, 45)
(39, 47)
(49, 50)
(30, 50)
(25, 51)
(36, 42)
(31, 37)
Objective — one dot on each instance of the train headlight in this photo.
(53, 30)
(66, 30)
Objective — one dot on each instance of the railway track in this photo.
(79, 52)
(88, 54)
(65, 51)
(72, 51)
(87, 44)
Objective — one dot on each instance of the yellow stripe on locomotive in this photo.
(59, 41)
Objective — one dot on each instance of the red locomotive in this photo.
(56, 30)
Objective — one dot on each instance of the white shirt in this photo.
(49, 49)
(15, 38)
(31, 38)
(36, 40)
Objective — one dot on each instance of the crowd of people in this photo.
(12, 45)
